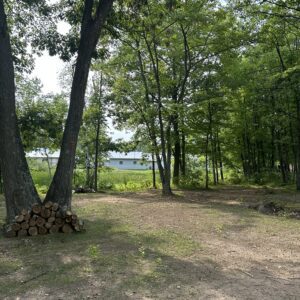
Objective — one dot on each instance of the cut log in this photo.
(27, 216)
(43, 219)
(22, 232)
(59, 222)
(48, 225)
(55, 206)
(32, 222)
(68, 219)
(40, 221)
(36, 208)
(33, 231)
(42, 230)
(49, 204)
(45, 213)
(51, 220)
(54, 229)
(16, 226)
(24, 225)
(69, 213)
(34, 217)
(23, 212)
(60, 214)
(75, 222)
(19, 218)
(67, 228)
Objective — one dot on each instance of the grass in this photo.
(141, 246)
(109, 179)
(126, 180)
(140, 180)
(110, 246)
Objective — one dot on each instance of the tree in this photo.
(19, 189)
(94, 142)
(163, 64)
(60, 189)
(41, 118)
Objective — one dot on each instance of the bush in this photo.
(42, 189)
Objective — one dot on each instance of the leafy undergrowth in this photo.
(140, 245)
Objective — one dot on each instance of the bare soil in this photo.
(194, 245)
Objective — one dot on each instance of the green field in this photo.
(108, 179)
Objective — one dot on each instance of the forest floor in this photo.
(195, 245)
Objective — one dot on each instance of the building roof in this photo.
(129, 155)
(111, 155)
(41, 154)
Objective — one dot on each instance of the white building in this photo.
(118, 160)
(129, 161)
(41, 155)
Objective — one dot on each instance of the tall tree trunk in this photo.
(213, 164)
(220, 157)
(88, 170)
(177, 151)
(281, 160)
(298, 142)
(164, 133)
(272, 158)
(96, 156)
(20, 192)
(213, 158)
(165, 181)
(1, 182)
(97, 144)
(163, 163)
(153, 172)
(183, 154)
(61, 186)
(48, 164)
(167, 188)
(206, 161)
(216, 159)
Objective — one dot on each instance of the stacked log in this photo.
(44, 219)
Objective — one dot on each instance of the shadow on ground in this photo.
(119, 259)
(113, 261)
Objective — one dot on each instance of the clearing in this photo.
(195, 245)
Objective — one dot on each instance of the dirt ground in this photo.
(195, 245)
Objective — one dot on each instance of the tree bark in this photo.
(97, 146)
(183, 155)
(96, 156)
(298, 142)
(20, 192)
(220, 157)
(48, 164)
(150, 124)
(61, 186)
(206, 161)
(164, 133)
(177, 152)
(88, 170)
(1, 182)
(153, 172)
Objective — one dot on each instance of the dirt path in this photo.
(243, 255)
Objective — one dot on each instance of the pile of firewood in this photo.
(44, 219)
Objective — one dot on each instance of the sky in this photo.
(47, 69)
